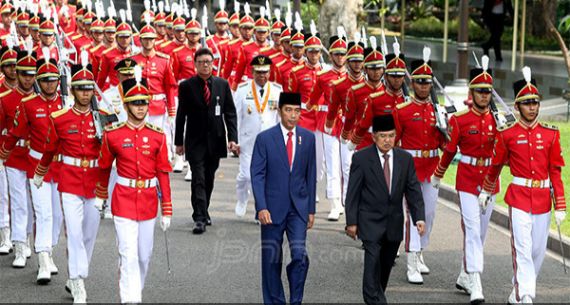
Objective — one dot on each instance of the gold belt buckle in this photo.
(535, 183)
(425, 153)
(140, 184)
(55, 158)
(480, 162)
(84, 163)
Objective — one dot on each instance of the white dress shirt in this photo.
(390, 162)
(285, 133)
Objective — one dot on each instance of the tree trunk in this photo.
(335, 13)
(536, 11)
(551, 28)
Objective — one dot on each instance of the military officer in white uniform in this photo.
(113, 103)
(256, 108)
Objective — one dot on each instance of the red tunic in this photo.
(533, 153)
(72, 134)
(243, 69)
(337, 106)
(53, 51)
(231, 56)
(321, 95)
(168, 46)
(303, 79)
(474, 134)
(283, 71)
(95, 55)
(109, 59)
(218, 46)
(355, 105)
(379, 103)
(32, 118)
(183, 66)
(141, 154)
(161, 83)
(415, 128)
(275, 59)
(9, 102)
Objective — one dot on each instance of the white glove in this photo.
(99, 203)
(172, 120)
(343, 141)
(559, 216)
(38, 180)
(328, 130)
(351, 146)
(483, 199)
(165, 223)
(1, 164)
(435, 181)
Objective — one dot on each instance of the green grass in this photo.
(506, 176)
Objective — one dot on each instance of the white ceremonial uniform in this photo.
(255, 113)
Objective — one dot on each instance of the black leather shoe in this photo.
(208, 222)
(199, 228)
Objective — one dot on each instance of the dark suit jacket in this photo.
(275, 187)
(368, 203)
(205, 129)
(488, 8)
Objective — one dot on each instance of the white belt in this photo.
(304, 106)
(473, 161)
(370, 130)
(323, 108)
(4, 131)
(423, 153)
(531, 182)
(158, 97)
(80, 162)
(38, 155)
(136, 183)
(21, 143)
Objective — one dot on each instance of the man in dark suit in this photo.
(494, 15)
(283, 176)
(380, 176)
(206, 108)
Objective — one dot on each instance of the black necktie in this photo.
(261, 92)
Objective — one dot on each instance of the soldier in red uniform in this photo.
(303, 79)
(97, 45)
(374, 66)
(182, 57)
(249, 50)
(382, 103)
(6, 18)
(219, 41)
(179, 36)
(73, 134)
(66, 13)
(31, 122)
(416, 129)
(47, 39)
(16, 165)
(283, 53)
(276, 29)
(337, 107)
(8, 55)
(34, 26)
(113, 55)
(156, 69)
(22, 27)
(329, 144)
(169, 22)
(246, 24)
(283, 68)
(473, 132)
(140, 151)
(84, 38)
(110, 31)
(234, 22)
(534, 155)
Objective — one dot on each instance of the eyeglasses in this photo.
(204, 62)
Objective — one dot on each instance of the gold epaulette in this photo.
(377, 94)
(234, 41)
(265, 49)
(243, 84)
(3, 94)
(297, 68)
(29, 97)
(505, 127)
(278, 86)
(93, 49)
(114, 126)
(357, 86)
(76, 36)
(274, 55)
(322, 72)
(166, 43)
(553, 127)
(178, 48)
(281, 63)
(163, 55)
(59, 112)
(338, 81)
(462, 112)
(154, 127)
(403, 105)
(108, 50)
(247, 43)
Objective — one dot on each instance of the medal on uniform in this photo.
(260, 108)
(249, 109)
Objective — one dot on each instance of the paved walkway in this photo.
(223, 265)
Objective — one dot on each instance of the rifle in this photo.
(62, 63)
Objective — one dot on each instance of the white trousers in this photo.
(529, 234)
(135, 242)
(22, 215)
(81, 226)
(332, 161)
(4, 202)
(162, 122)
(112, 182)
(49, 217)
(474, 225)
(243, 179)
(320, 158)
(415, 242)
(345, 161)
